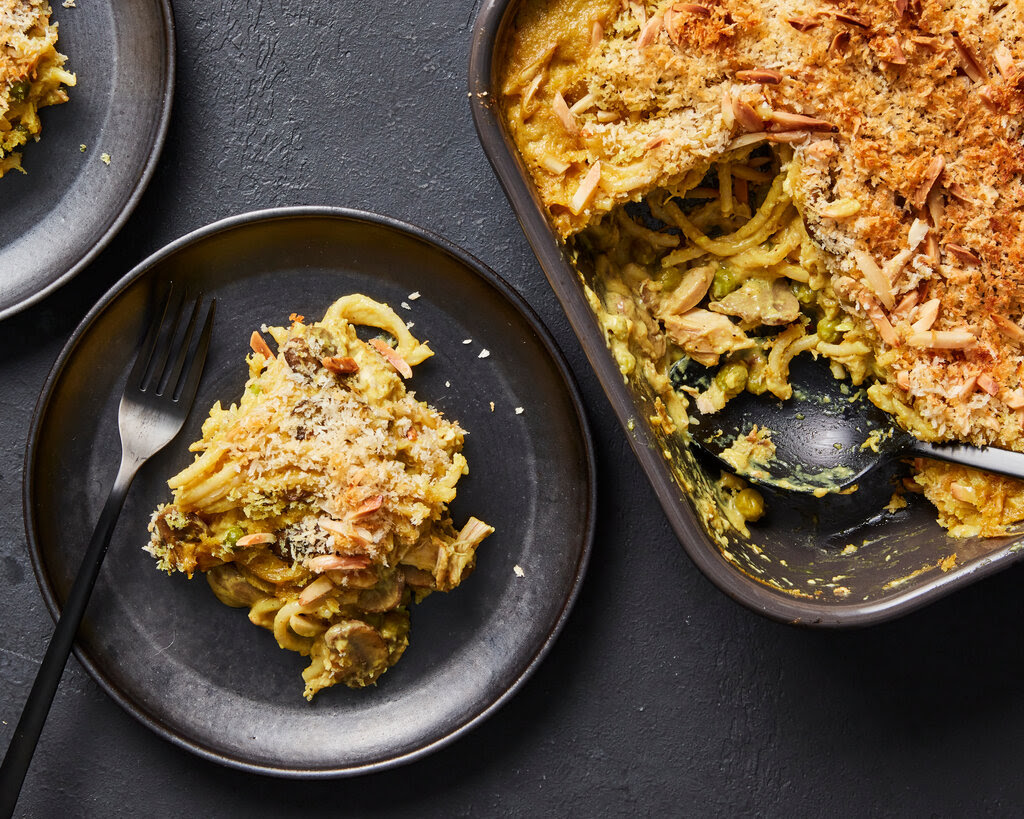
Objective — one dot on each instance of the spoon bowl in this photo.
(827, 438)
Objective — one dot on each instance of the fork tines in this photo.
(158, 369)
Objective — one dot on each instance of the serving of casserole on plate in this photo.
(732, 184)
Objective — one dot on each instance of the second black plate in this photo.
(199, 673)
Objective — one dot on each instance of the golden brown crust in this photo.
(925, 98)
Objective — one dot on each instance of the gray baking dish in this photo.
(797, 565)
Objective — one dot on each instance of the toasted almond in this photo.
(907, 303)
(963, 254)
(926, 40)
(585, 192)
(897, 57)
(259, 346)
(596, 33)
(850, 19)
(917, 233)
(692, 8)
(875, 278)
(788, 121)
(747, 139)
(340, 365)
(967, 388)
(338, 563)
(926, 315)
(787, 136)
(988, 384)
(553, 164)
(1015, 400)
(903, 380)
(765, 76)
(972, 67)
(931, 248)
(885, 329)
(393, 358)
(803, 23)
(649, 33)
(255, 539)
(964, 493)
(315, 590)
(564, 115)
(1004, 61)
(839, 42)
(931, 176)
(746, 116)
(532, 89)
(942, 339)
(1008, 328)
(582, 104)
(367, 507)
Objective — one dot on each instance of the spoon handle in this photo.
(990, 459)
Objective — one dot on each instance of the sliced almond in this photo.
(926, 315)
(789, 121)
(1015, 400)
(553, 164)
(582, 104)
(787, 136)
(338, 563)
(259, 346)
(942, 339)
(315, 590)
(963, 254)
(988, 384)
(585, 192)
(564, 115)
(255, 539)
(692, 8)
(875, 278)
(1009, 328)
(393, 358)
(341, 365)
(840, 209)
(967, 388)
(964, 493)
(596, 33)
(649, 33)
(803, 24)
(917, 233)
(746, 116)
(367, 507)
(765, 76)
(931, 176)
(850, 20)
(1004, 61)
(972, 66)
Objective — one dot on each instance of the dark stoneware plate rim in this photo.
(491, 18)
(577, 548)
(87, 244)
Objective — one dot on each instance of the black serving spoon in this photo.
(828, 437)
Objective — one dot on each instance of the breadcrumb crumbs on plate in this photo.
(484, 353)
(406, 305)
(414, 296)
(467, 341)
(492, 406)
(448, 384)
(519, 410)
(82, 147)
(519, 570)
(105, 158)
(68, 4)
(409, 325)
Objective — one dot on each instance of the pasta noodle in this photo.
(319, 500)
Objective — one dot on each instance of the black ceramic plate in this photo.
(58, 216)
(198, 672)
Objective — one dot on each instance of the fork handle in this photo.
(37, 707)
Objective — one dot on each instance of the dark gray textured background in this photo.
(661, 694)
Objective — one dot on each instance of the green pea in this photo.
(18, 90)
(750, 504)
(803, 293)
(828, 330)
(232, 535)
(670, 277)
(724, 283)
(732, 378)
